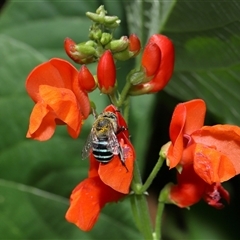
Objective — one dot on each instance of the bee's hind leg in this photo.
(122, 158)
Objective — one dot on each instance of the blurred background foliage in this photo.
(36, 178)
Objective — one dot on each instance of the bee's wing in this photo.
(88, 145)
(113, 144)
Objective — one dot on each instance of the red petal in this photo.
(190, 188)
(63, 104)
(42, 123)
(56, 72)
(94, 165)
(115, 174)
(211, 165)
(224, 138)
(187, 117)
(87, 199)
(175, 150)
(151, 59)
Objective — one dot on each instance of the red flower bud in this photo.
(134, 44)
(106, 73)
(165, 69)
(86, 79)
(70, 48)
(79, 53)
(151, 59)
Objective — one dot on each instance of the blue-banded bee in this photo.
(102, 139)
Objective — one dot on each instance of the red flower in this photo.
(106, 73)
(54, 88)
(208, 155)
(105, 183)
(160, 64)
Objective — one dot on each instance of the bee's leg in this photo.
(121, 129)
(121, 156)
(94, 113)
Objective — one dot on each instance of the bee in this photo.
(102, 140)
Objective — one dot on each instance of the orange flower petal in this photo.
(56, 72)
(94, 165)
(187, 117)
(190, 188)
(224, 138)
(175, 150)
(86, 201)
(42, 123)
(211, 165)
(115, 174)
(64, 104)
(196, 110)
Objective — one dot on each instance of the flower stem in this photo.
(161, 204)
(113, 99)
(138, 201)
(124, 93)
(141, 205)
(153, 174)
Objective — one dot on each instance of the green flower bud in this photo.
(95, 34)
(136, 76)
(118, 45)
(105, 38)
(113, 25)
(110, 19)
(123, 55)
(85, 50)
(95, 17)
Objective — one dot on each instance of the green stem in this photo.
(145, 221)
(141, 205)
(138, 201)
(161, 204)
(135, 212)
(126, 109)
(124, 93)
(113, 98)
(153, 174)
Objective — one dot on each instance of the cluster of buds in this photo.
(157, 61)
(101, 39)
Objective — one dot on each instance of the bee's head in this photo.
(106, 121)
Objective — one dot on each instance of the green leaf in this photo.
(46, 30)
(30, 213)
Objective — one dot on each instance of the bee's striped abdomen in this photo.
(100, 151)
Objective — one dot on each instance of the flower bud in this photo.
(118, 45)
(86, 80)
(101, 18)
(151, 59)
(105, 38)
(95, 34)
(123, 55)
(164, 71)
(136, 77)
(80, 53)
(106, 73)
(134, 44)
